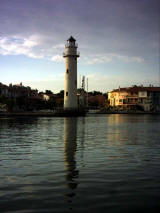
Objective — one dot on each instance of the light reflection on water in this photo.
(86, 164)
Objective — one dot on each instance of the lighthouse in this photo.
(70, 87)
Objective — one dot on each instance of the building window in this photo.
(124, 101)
(67, 71)
(66, 93)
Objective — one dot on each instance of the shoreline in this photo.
(132, 113)
(68, 114)
(43, 114)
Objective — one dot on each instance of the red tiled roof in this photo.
(137, 89)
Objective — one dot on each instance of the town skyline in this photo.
(118, 42)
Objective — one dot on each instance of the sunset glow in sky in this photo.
(119, 42)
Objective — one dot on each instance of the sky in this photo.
(118, 41)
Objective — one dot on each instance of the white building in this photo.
(70, 87)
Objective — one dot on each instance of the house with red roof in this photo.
(136, 97)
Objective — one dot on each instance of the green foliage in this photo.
(94, 93)
(51, 103)
(60, 94)
(48, 92)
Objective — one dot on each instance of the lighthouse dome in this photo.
(71, 39)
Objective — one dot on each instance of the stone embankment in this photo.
(43, 114)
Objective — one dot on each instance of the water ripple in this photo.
(98, 163)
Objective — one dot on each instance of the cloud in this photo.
(59, 46)
(98, 60)
(19, 46)
(57, 58)
(128, 59)
(35, 46)
(110, 57)
(123, 26)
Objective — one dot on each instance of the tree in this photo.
(51, 103)
(49, 92)
(60, 94)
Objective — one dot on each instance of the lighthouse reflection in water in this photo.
(70, 146)
(97, 163)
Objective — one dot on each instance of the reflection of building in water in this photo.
(121, 130)
(70, 144)
(113, 131)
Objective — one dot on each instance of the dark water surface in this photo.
(98, 163)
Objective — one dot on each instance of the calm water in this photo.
(104, 163)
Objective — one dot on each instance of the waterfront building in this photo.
(17, 91)
(136, 97)
(3, 90)
(70, 87)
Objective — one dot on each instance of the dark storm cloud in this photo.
(119, 26)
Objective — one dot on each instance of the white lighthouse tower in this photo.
(70, 88)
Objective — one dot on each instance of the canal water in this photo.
(98, 163)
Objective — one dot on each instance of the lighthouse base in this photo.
(72, 112)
